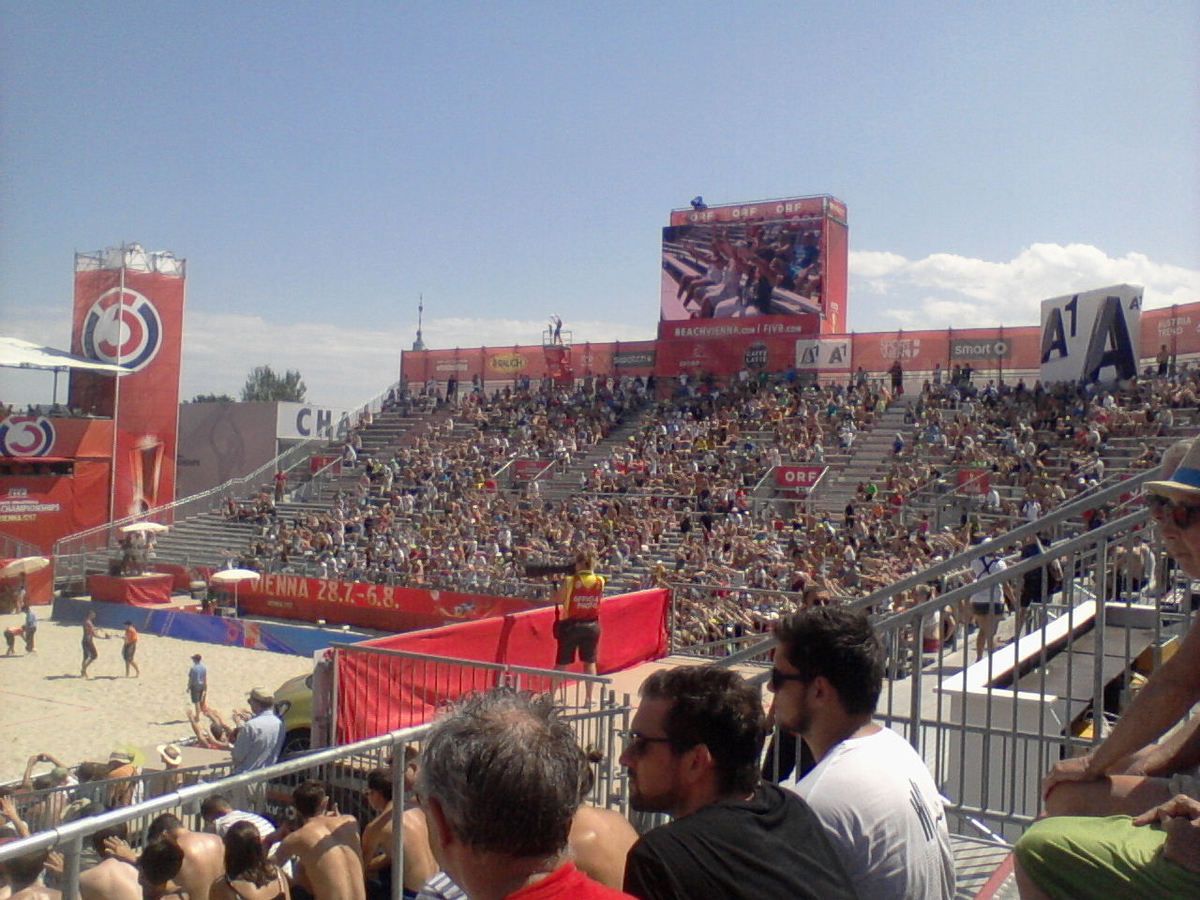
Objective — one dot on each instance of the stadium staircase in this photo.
(870, 460)
(564, 483)
(211, 539)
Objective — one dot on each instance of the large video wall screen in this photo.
(749, 259)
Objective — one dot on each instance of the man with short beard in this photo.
(869, 786)
(694, 752)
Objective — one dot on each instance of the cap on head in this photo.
(120, 756)
(261, 696)
(59, 774)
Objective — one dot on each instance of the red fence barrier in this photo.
(377, 692)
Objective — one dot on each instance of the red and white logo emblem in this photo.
(122, 328)
(26, 436)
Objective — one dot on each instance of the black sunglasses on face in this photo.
(1180, 514)
(637, 743)
(779, 678)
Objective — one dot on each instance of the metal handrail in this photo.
(955, 564)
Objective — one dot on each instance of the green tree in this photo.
(263, 384)
(212, 398)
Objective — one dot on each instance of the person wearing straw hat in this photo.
(172, 759)
(260, 738)
(1126, 817)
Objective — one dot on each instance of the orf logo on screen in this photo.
(26, 436)
(122, 328)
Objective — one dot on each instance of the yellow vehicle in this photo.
(294, 704)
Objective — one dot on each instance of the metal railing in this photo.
(991, 727)
(342, 770)
(42, 808)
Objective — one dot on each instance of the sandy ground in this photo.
(46, 707)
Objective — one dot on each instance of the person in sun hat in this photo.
(172, 759)
(1125, 818)
(260, 738)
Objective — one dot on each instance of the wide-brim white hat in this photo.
(1183, 484)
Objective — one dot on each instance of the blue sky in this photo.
(321, 165)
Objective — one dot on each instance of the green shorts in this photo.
(1079, 857)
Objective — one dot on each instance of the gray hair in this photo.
(507, 772)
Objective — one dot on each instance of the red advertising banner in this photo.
(1177, 327)
(54, 477)
(368, 605)
(634, 631)
(724, 347)
(837, 276)
(974, 482)
(794, 478)
(761, 211)
(497, 364)
(528, 469)
(317, 462)
(131, 314)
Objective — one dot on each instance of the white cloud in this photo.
(345, 364)
(342, 365)
(943, 289)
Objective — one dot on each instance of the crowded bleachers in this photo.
(670, 497)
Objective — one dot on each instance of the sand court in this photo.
(45, 707)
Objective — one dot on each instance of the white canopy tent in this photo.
(18, 354)
(30, 357)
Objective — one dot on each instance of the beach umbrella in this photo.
(25, 565)
(234, 577)
(145, 528)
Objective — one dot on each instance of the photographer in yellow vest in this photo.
(578, 627)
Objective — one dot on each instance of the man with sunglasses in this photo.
(1088, 846)
(869, 788)
(694, 752)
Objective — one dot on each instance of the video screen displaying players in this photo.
(734, 269)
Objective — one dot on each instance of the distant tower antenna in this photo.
(419, 344)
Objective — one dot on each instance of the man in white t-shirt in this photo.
(869, 787)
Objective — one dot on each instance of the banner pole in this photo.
(112, 479)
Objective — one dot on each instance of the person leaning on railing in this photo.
(1157, 853)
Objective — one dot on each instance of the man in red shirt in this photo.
(501, 778)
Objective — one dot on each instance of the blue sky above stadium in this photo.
(322, 165)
